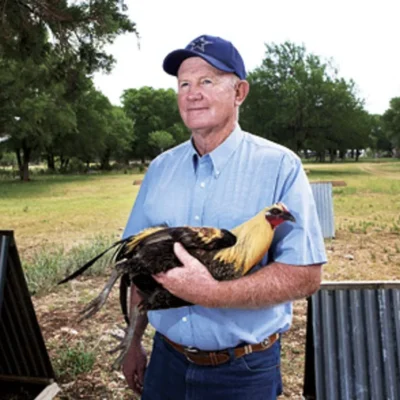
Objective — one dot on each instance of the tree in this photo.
(284, 95)
(179, 132)
(380, 141)
(35, 107)
(161, 140)
(151, 110)
(298, 100)
(391, 123)
(48, 51)
(119, 138)
(80, 28)
(93, 114)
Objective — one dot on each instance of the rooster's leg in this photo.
(99, 301)
(123, 347)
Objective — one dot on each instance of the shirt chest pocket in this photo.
(231, 217)
(232, 206)
(164, 206)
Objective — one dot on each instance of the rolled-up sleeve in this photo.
(301, 242)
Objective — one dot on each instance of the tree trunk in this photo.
(105, 160)
(63, 163)
(50, 162)
(19, 159)
(358, 152)
(26, 156)
(332, 155)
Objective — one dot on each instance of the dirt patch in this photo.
(374, 256)
(58, 312)
(58, 315)
(380, 170)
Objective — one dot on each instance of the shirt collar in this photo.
(222, 153)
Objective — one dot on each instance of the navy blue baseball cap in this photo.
(218, 52)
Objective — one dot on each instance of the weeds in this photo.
(395, 228)
(48, 267)
(69, 362)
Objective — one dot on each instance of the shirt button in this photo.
(202, 184)
(184, 319)
(196, 217)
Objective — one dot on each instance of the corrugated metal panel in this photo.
(23, 355)
(322, 193)
(353, 342)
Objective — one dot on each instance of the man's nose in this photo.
(194, 94)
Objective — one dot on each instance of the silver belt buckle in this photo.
(189, 351)
(265, 342)
(192, 350)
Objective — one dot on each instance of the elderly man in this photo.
(227, 345)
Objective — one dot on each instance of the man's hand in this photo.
(275, 284)
(134, 366)
(135, 361)
(192, 282)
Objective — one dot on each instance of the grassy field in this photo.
(65, 210)
(50, 213)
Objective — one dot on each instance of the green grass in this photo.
(65, 210)
(61, 221)
(69, 362)
(47, 267)
(370, 191)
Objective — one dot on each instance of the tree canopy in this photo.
(50, 109)
(391, 124)
(80, 29)
(49, 50)
(298, 100)
(153, 110)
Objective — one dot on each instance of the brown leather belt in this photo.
(213, 358)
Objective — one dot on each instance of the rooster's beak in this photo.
(287, 216)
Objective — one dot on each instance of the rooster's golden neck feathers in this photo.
(254, 237)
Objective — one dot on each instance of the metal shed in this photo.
(353, 342)
(323, 196)
(26, 372)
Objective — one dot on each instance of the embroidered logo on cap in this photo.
(199, 44)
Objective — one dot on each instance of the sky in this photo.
(361, 37)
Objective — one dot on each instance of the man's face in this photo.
(206, 96)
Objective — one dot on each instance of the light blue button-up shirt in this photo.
(223, 189)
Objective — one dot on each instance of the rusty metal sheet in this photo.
(353, 342)
(23, 355)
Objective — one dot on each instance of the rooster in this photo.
(226, 254)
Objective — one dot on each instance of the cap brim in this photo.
(173, 61)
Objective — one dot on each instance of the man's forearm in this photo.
(141, 324)
(274, 284)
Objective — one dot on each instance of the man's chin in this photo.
(198, 126)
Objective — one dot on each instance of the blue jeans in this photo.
(170, 376)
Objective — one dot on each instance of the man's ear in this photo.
(242, 90)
